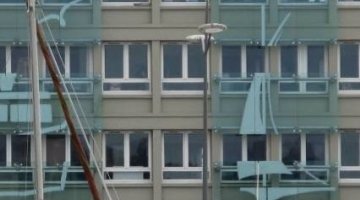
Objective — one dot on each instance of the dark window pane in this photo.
(289, 61)
(78, 61)
(2, 59)
(350, 149)
(12, 1)
(20, 61)
(139, 149)
(55, 150)
(172, 61)
(138, 61)
(195, 150)
(114, 149)
(291, 149)
(316, 59)
(182, 175)
(2, 150)
(173, 145)
(75, 161)
(255, 60)
(231, 61)
(232, 149)
(256, 147)
(59, 54)
(196, 61)
(349, 60)
(20, 150)
(315, 149)
(114, 61)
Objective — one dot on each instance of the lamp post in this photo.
(205, 38)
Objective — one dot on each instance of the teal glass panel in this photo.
(20, 150)
(315, 61)
(231, 61)
(12, 2)
(255, 60)
(59, 55)
(55, 150)
(78, 61)
(290, 148)
(315, 149)
(2, 150)
(232, 149)
(2, 59)
(20, 61)
(65, 1)
(289, 61)
(74, 158)
(350, 149)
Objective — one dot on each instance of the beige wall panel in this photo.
(349, 106)
(135, 193)
(182, 193)
(148, 33)
(116, 17)
(182, 16)
(161, 122)
(349, 193)
(349, 16)
(121, 107)
(182, 106)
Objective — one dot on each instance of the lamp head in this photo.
(212, 28)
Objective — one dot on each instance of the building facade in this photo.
(283, 99)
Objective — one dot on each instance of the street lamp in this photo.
(205, 38)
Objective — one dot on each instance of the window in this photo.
(307, 149)
(75, 66)
(302, 1)
(241, 62)
(237, 147)
(14, 59)
(65, 1)
(55, 150)
(183, 67)
(349, 68)
(126, 68)
(243, 1)
(2, 150)
(182, 157)
(350, 156)
(306, 62)
(20, 150)
(127, 155)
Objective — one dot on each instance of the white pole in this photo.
(36, 102)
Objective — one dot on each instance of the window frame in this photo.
(266, 2)
(309, 3)
(61, 4)
(130, 4)
(185, 158)
(127, 167)
(126, 67)
(303, 155)
(302, 71)
(347, 168)
(66, 62)
(244, 148)
(347, 80)
(184, 68)
(182, 4)
(8, 60)
(243, 57)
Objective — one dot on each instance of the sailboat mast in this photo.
(36, 101)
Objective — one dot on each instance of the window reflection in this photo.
(195, 150)
(139, 149)
(173, 150)
(114, 149)
(291, 151)
(55, 150)
(289, 61)
(256, 147)
(20, 148)
(20, 61)
(232, 149)
(231, 61)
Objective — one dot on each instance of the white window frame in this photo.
(310, 3)
(126, 78)
(348, 3)
(302, 71)
(347, 168)
(349, 80)
(127, 167)
(303, 155)
(184, 78)
(66, 61)
(124, 4)
(243, 67)
(185, 158)
(244, 148)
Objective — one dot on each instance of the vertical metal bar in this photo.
(263, 25)
(36, 101)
